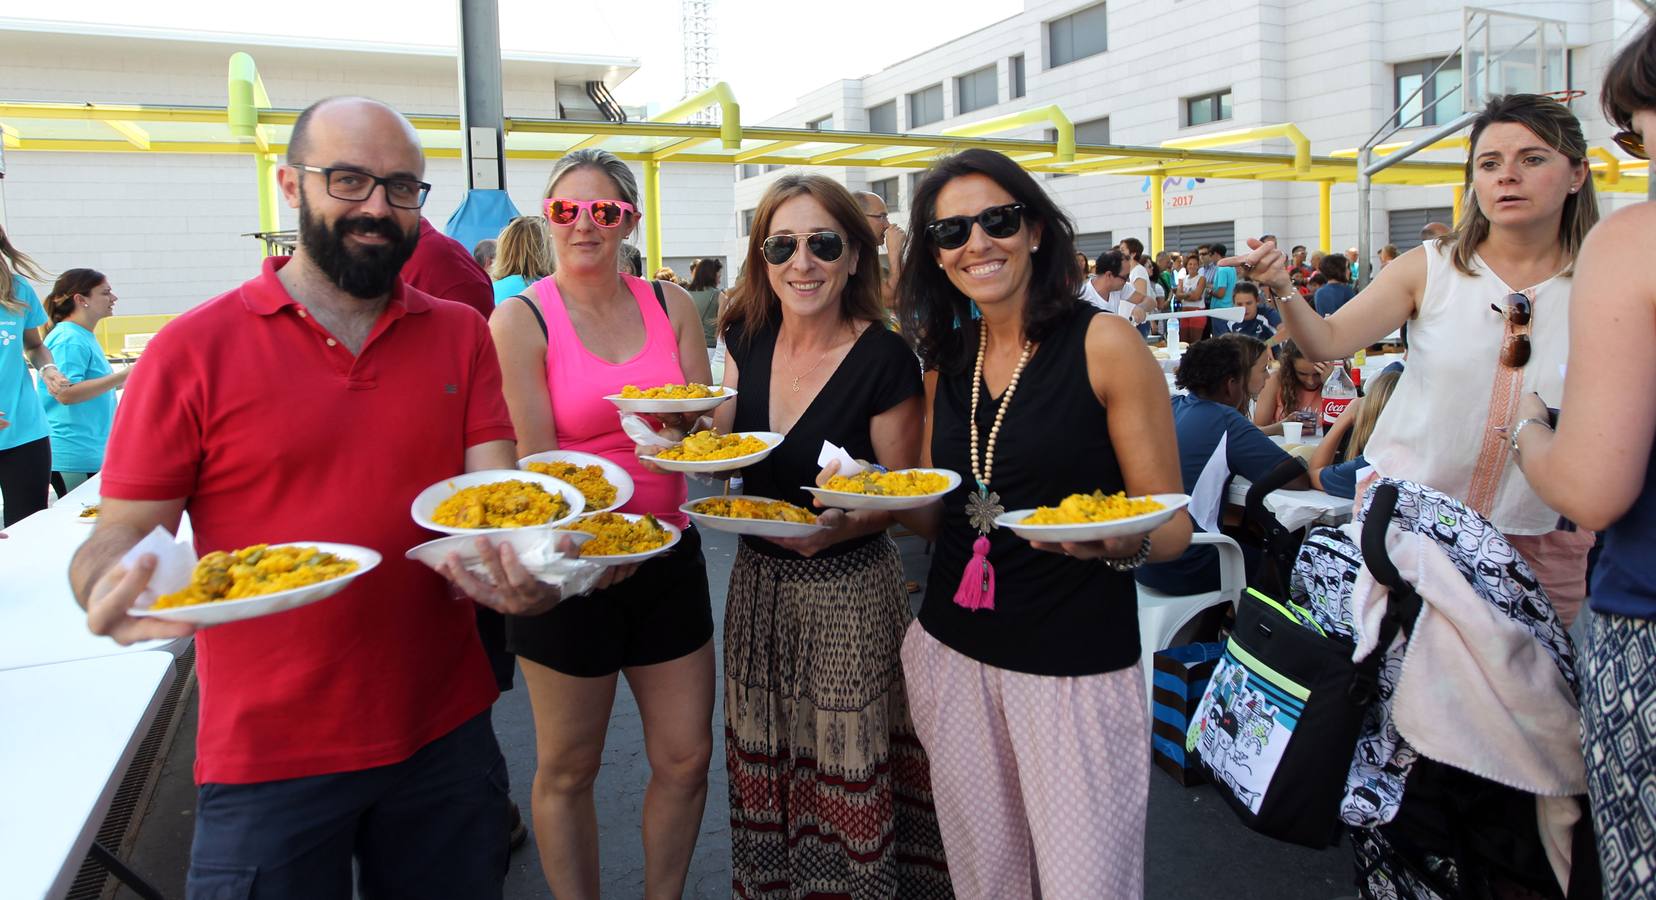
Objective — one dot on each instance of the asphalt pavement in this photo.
(1195, 847)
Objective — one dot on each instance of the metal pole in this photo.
(1156, 233)
(652, 217)
(481, 114)
(1325, 218)
(1365, 159)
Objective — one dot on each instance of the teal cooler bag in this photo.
(1279, 722)
(1180, 681)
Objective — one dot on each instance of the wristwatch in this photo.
(1519, 429)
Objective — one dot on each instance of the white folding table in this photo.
(71, 729)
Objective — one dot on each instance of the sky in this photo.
(770, 51)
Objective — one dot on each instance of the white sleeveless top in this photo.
(1439, 428)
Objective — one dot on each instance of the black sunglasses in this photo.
(1632, 142)
(997, 222)
(824, 245)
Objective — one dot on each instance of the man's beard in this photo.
(365, 272)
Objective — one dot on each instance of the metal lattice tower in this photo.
(696, 25)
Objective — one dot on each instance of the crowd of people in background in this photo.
(995, 744)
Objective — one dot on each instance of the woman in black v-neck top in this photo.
(829, 792)
(1023, 668)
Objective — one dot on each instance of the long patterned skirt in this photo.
(830, 794)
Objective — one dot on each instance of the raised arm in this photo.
(1380, 309)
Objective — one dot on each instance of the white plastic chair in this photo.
(1162, 615)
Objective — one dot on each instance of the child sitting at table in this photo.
(1292, 393)
(1340, 478)
(1221, 376)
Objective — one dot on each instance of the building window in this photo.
(925, 106)
(1443, 86)
(914, 185)
(1016, 64)
(975, 90)
(772, 167)
(1215, 107)
(747, 221)
(882, 119)
(1093, 131)
(748, 171)
(886, 188)
(1076, 36)
(826, 123)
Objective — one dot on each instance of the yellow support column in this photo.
(1325, 219)
(1460, 197)
(1156, 180)
(266, 167)
(652, 217)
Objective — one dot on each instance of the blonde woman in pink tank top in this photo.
(572, 338)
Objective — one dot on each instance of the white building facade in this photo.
(1145, 71)
(169, 229)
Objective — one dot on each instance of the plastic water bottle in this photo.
(1173, 347)
(1337, 394)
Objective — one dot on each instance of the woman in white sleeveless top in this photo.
(1488, 313)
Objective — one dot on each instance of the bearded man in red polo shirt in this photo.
(312, 404)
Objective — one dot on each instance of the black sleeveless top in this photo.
(1053, 615)
(879, 372)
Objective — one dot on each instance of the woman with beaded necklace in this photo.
(1024, 680)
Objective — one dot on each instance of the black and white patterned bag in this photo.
(1324, 575)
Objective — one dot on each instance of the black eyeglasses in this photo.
(997, 221)
(824, 245)
(1632, 142)
(1515, 350)
(350, 184)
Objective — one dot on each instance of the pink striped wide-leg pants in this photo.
(1041, 782)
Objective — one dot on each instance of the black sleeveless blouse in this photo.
(879, 372)
(1053, 615)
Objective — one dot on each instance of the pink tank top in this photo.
(577, 381)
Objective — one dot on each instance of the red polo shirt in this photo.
(272, 431)
(442, 267)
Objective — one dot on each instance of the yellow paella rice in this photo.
(691, 391)
(90, 512)
(902, 483)
(1094, 507)
(252, 571)
(747, 508)
(706, 446)
(615, 535)
(589, 480)
(501, 504)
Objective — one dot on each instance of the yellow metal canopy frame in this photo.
(248, 125)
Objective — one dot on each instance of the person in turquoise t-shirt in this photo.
(80, 415)
(25, 452)
(1222, 290)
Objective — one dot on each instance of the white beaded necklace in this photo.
(983, 506)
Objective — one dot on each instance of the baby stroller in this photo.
(1421, 822)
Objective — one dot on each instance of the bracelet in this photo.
(1129, 563)
(1519, 429)
(50, 366)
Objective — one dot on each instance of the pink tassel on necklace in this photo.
(977, 584)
